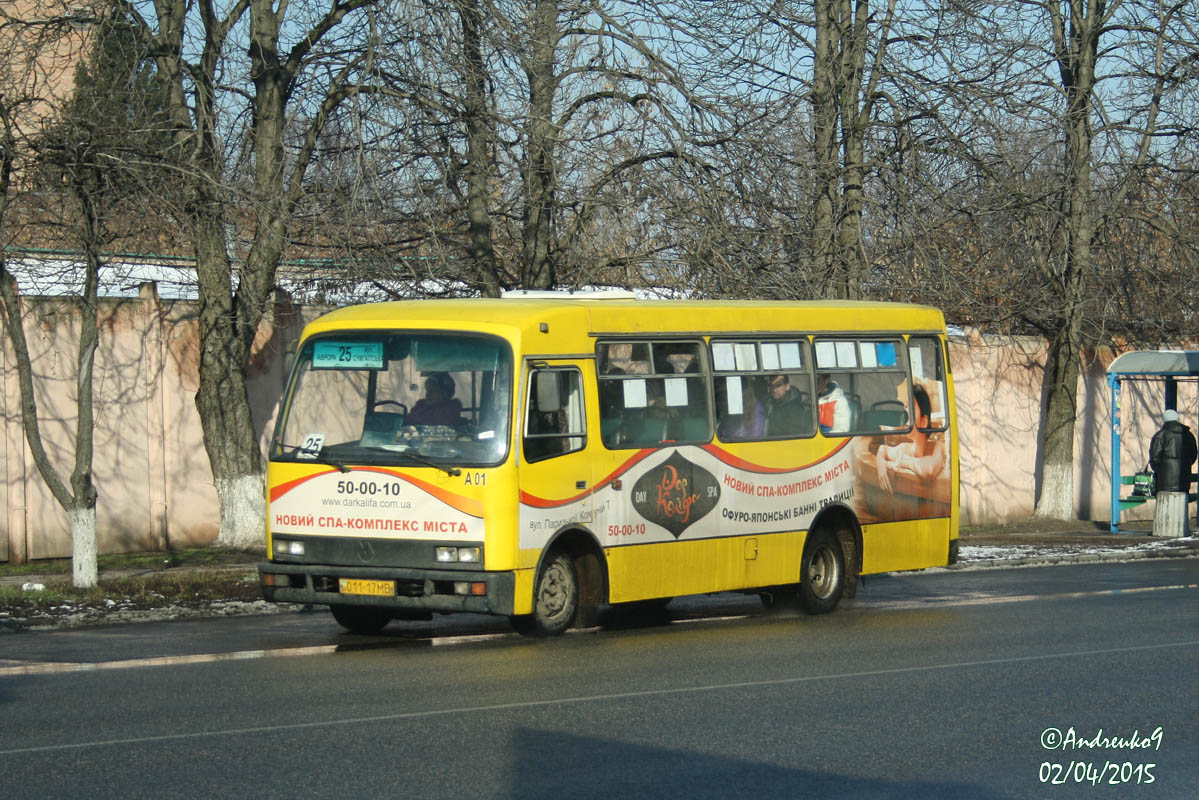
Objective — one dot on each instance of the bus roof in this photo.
(581, 315)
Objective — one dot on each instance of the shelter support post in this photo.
(1114, 382)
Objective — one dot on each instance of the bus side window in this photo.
(554, 422)
(652, 394)
(862, 386)
(763, 389)
(611, 408)
(928, 371)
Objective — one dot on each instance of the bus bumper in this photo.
(425, 589)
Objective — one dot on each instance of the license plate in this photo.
(360, 586)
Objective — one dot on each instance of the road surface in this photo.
(1070, 681)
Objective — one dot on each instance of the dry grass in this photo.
(191, 557)
(142, 582)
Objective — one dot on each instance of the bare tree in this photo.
(77, 161)
(518, 125)
(303, 61)
(1046, 115)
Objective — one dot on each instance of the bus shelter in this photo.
(1167, 366)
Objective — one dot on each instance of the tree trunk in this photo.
(82, 508)
(855, 118)
(479, 140)
(84, 572)
(1077, 48)
(826, 170)
(1056, 498)
(229, 439)
(222, 400)
(79, 498)
(537, 269)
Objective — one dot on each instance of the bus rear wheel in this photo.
(822, 573)
(555, 599)
(361, 619)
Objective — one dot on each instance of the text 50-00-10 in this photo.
(367, 488)
(1111, 773)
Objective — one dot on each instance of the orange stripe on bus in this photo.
(721, 455)
(542, 502)
(749, 466)
(284, 488)
(467, 505)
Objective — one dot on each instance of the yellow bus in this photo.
(540, 457)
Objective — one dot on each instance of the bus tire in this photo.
(555, 599)
(361, 619)
(821, 573)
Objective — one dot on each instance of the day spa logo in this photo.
(675, 494)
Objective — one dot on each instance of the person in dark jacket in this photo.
(1171, 454)
(786, 413)
(438, 406)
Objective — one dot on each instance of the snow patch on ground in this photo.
(977, 553)
(97, 616)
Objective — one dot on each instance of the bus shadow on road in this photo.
(553, 764)
(629, 616)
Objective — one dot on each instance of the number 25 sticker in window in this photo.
(311, 447)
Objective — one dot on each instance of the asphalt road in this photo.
(961, 684)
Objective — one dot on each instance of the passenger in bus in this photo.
(787, 413)
(682, 359)
(611, 407)
(922, 454)
(623, 427)
(438, 406)
(659, 416)
(832, 405)
(751, 422)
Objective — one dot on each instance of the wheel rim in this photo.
(823, 572)
(553, 597)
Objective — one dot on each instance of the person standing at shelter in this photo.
(1172, 454)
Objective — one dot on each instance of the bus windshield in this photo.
(385, 398)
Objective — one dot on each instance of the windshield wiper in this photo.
(453, 472)
(319, 457)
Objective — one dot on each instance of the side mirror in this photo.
(289, 358)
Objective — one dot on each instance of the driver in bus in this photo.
(438, 406)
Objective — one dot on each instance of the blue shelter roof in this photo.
(1156, 362)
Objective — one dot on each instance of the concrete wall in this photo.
(150, 466)
(156, 488)
(999, 385)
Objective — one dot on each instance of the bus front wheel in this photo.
(822, 573)
(555, 599)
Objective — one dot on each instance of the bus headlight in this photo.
(458, 555)
(288, 547)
